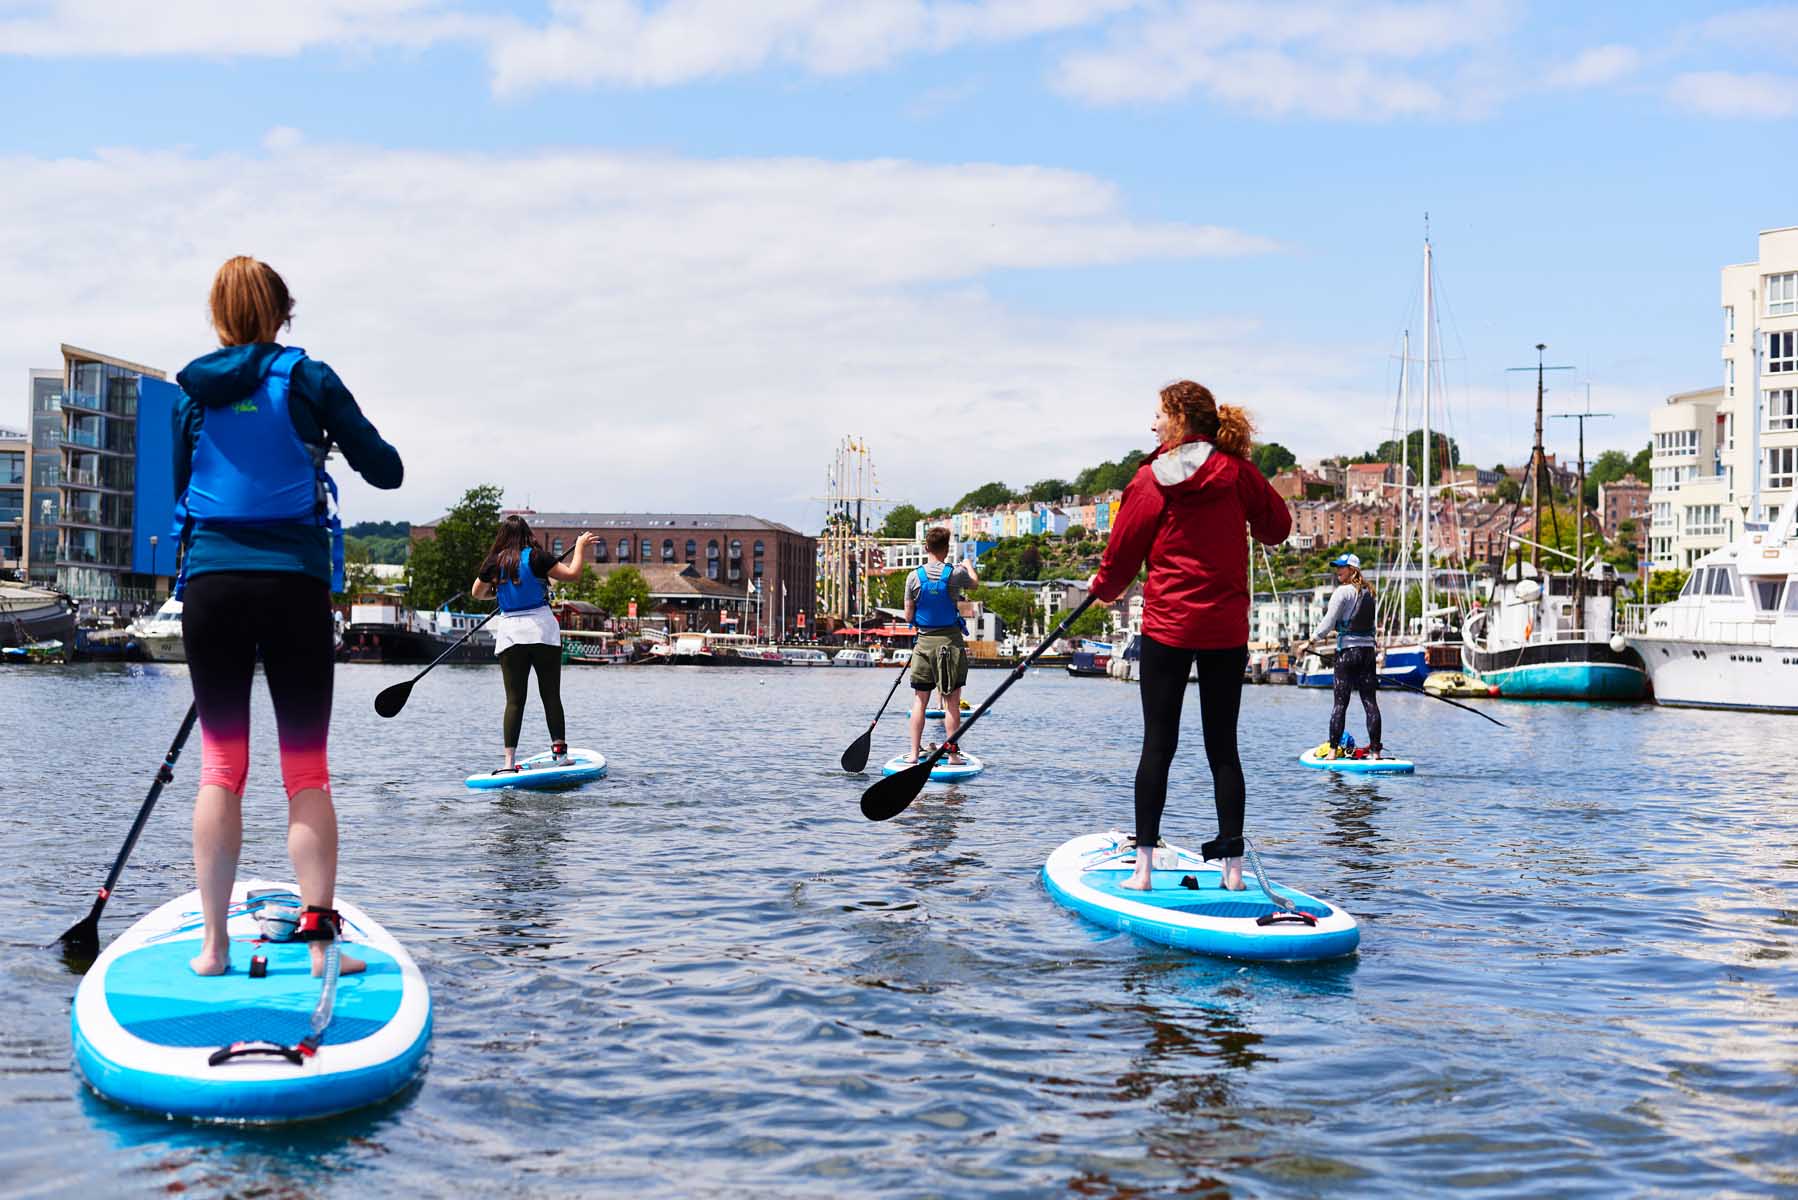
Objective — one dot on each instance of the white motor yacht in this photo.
(159, 635)
(1730, 640)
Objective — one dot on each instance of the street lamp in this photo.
(153, 571)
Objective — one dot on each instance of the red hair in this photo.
(1198, 414)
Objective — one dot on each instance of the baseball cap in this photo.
(1347, 560)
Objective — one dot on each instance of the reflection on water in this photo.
(707, 975)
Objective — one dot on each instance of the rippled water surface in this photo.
(708, 975)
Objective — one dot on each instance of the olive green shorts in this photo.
(939, 662)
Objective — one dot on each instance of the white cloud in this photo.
(1729, 94)
(613, 331)
(262, 28)
(634, 43)
(1596, 67)
(1326, 58)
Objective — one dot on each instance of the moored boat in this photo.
(383, 630)
(159, 635)
(32, 616)
(1531, 641)
(853, 656)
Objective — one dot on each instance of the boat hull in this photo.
(408, 647)
(53, 621)
(1560, 670)
(1688, 674)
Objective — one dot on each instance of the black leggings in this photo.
(515, 664)
(1164, 675)
(228, 620)
(1355, 672)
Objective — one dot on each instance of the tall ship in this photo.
(1547, 634)
(1730, 639)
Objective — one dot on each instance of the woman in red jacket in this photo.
(1184, 513)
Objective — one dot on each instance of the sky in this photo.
(664, 255)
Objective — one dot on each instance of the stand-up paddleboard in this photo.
(1359, 766)
(147, 1029)
(1199, 915)
(937, 714)
(543, 771)
(943, 772)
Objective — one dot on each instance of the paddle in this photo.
(893, 794)
(856, 757)
(394, 698)
(83, 937)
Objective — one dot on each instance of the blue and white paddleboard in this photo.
(543, 771)
(1359, 766)
(937, 714)
(145, 1025)
(944, 771)
(1084, 875)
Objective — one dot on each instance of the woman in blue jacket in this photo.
(262, 552)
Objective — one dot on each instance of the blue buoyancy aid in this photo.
(251, 468)
(1356, 627)
(935, 606)
(527, 591)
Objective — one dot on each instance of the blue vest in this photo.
(528, 592)
(251, 468)
(935, 607)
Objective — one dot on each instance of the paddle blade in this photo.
(392, 699)
(82, 939)
(856, 757)
(894, 794)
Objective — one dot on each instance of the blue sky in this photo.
(616, 254)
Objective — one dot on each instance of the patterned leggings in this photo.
(1355, 672)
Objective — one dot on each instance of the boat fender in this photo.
(1618, 643)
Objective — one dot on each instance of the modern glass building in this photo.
(15, 473)
(102, 486)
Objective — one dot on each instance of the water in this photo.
(709, 976)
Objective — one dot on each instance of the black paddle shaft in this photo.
(892, 795)
(86, 929)
(856, 756)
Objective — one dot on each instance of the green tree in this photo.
(1508, 489)
(1108, 476)
(1095, 622)
(1444, 453)
(1014, 606)
(987, 495)
(1609, 467)
(1663, 586)
(1638, 466)
(443, 566)
(1046, 490)
(358, 575)
(902, 522)
(621, 586)
(1270, 458)
(1076, 533)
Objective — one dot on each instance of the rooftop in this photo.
(601, 520)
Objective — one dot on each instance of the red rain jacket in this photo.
(1184, 513)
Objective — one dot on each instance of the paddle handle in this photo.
(1015, 674)
(164, 774)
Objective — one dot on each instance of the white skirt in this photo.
(530, 627)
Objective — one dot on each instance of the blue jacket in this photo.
(320, 407)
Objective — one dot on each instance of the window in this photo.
(601, 551)
(1721, 582)
(1782, 294)
(624, 549)
(556, 547)
(1729, 378)
(1782, 466)
(1678, 443)
(1667, 479)
(692, 550)
(1704, 520)
(667, 550)
(1729, 324)
(1782, 352)
(711, 560)
(1791, 598)
(648, 550)
(1765, 593)
(1782, 409)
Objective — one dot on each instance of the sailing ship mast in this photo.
(1429, 321)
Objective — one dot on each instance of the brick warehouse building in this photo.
(729, 549)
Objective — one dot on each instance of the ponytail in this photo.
(1225, 426)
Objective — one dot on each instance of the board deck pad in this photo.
(1086, 875)
(541, 771)
(943, 772)
(144, 1025)
(1359, 766)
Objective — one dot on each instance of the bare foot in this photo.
(210, 961)
(1143, 878)
(1231, 880)
(956, 760)
(345, 964)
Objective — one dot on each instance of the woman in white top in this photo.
(525, 634)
